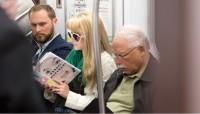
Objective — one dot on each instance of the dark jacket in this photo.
(142, 91)
(58, 46)
(17, 88)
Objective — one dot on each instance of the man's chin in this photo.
(41, 40)
(125, 71)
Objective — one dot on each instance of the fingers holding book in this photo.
(60, 88)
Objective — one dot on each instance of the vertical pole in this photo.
(123, 12)
(151, 29)
(65, 14)
(113, 19)
(97, 55)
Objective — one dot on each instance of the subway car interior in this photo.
(165, 31)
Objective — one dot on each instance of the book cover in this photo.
(51, 67)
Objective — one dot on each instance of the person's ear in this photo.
(55, 20)
(142, 51)
(141, 48)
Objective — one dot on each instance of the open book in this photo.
(51, 67)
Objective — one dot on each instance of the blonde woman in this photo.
(80, 30)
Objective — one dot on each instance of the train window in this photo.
(142, 13)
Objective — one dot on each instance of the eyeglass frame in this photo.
(126, 54)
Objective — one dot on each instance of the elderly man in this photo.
(129, 88)
(43, 21)
(131, 93)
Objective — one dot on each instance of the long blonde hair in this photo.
(82, 24)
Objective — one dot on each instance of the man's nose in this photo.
(117, 61)
(38, 28)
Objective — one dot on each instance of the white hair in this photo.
(134, 35)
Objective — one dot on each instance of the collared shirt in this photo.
(121, 100)
(44, 46)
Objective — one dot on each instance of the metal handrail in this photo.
(22, 14)
(29, 33)
(97, 55)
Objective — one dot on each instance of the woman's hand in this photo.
(48, 84)
(60, 88)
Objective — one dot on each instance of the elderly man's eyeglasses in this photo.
(73, 35)
(127, 53)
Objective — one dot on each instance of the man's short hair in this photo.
(47, 8)
(135, 35)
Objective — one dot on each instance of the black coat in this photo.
(17, 88)
(142, 91)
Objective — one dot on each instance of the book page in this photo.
(51, 67)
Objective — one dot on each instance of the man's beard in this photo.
(43, 38)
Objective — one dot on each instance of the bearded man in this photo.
(43, 20)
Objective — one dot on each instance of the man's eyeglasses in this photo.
(127, 53)
(73, 35)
